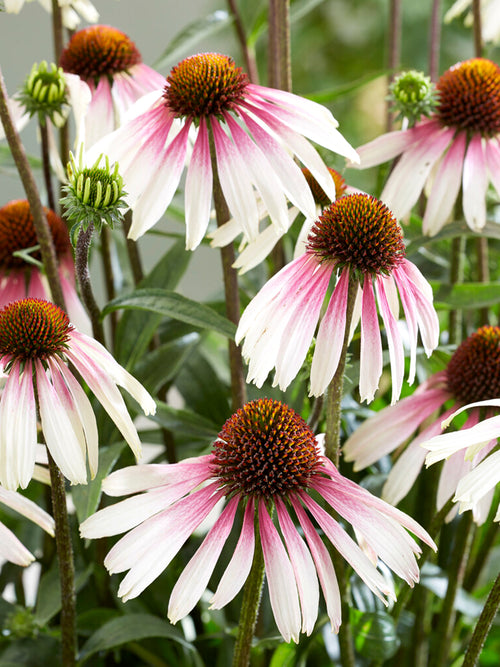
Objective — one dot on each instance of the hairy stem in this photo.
(46, 165)
(279, 56)
(483, 626)
(435, 40)
(83, 276)
(250, 605)
(44, 237)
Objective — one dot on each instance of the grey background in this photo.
(26, 38)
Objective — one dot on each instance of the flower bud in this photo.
(413, 95)
(44, 93)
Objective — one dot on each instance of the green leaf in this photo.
(330, 94)
(467, 295)
(284, 656)
(173, 305)
(38, 652)
(491, 230)
(163, 364)
(49, 593)
(135, 329)
(375, 635)
(436, 580)
(130, 628)
(192, 35)
(186, 422)
(86, 497)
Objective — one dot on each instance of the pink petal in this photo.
(371, 345)
(396, 352)
(198, 191)
(475, 184)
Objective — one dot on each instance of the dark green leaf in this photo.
(171, 304)
(284, 656)
(135, 329)
(38, 652)
(163, 364)
(186, 422)
(375, 635)
(86, 497)
(129, 628)
(192, 35)
(467, 295)
(49, 593)
(490, 230)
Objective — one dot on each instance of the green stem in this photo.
(456, 573)
(435, 40)
(66, 564)
(46, 165)
(83, 276)
(248, 55)
(250, 604)
(230, 276)
(476, 567)
(335, 389)
(108, 274)
(44, 237)
(456, 276)
(483, 272)
(132, 250)
(483, 626)
(57, 30)
(478, 38)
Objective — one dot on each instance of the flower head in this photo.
(110, 63)
(11, 549)
(471, 376)
(457, 147)
(265, 454)
(94, 194)
(44, 93)
(356, 239)
(250, 131)
(413, 95)
(20, 260)
(37, 342)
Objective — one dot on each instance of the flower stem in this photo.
(66, 564)
(248, 54)
(250, 605)
(279, 56)
(456, 573)
(456, 276)
(394, 54)
(238, 387)
(435, 40)
(132, 250)
(108, 274)
(40, 223)
(478, 39)
(57, 30)
(483, 625)
(46, 165)
(83, 276)
(334, 396)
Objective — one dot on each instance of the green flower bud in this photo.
(413, 95)
(94, 194)
(21, 623)
(44, 93)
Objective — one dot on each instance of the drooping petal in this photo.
(396, 352)
(303, 567)
(475, 184)
(238, 569)
(479, 481)
(371, 361)
(198, 191)
(28, 509)
(330, 338)
(196, 575)
(280, 579)
(12, 549)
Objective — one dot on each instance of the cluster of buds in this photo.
(413, 95)
(93, 195)
(44, 93)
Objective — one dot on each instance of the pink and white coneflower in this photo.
(470, 376)
(255, 131)
(37, 342)
(20, 279)
(265, 455)
(11, 549)
(111, 65)
(355, 239)
(456, 148)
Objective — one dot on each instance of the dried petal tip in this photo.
(94, 194)
(413, 95)
(44, 93)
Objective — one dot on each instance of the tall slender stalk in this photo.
(456, 276)
(46, 165)
(394, 50)
(108, 274)
(83, 276)
(279, 56)
(250, 604)
(483, 626)
(132, 250)
(435, 40)
(44, 237)
(230, 276)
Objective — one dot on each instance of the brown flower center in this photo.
(265, 449)
(320, 197)
(473, 371)
(360, 232)
(33, 329)
(204, 85)
(99, 50)
(17, 232)
(469, 97)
